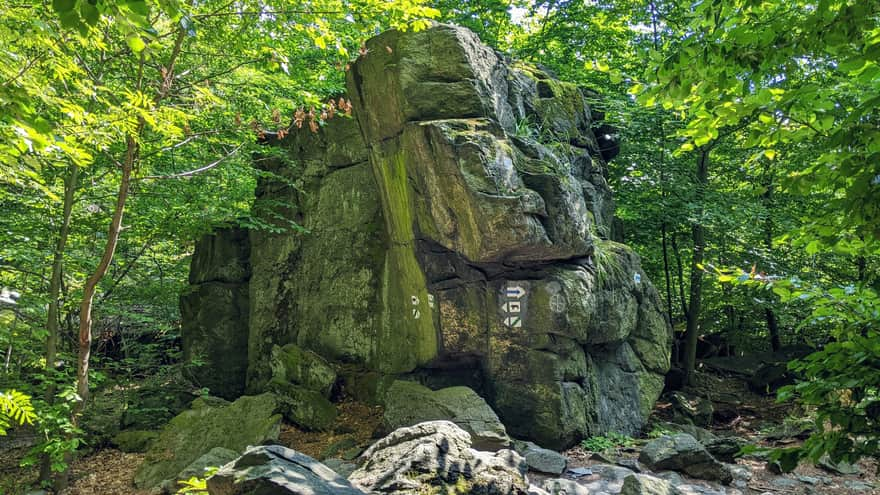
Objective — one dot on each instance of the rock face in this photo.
(458, 228)
(436, 457)
(277, 470)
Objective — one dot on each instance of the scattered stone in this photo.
(580, 471)
(541, 459)
(301, 367)
(134, 440)
(630, 463)
(671, 476)
(696, 410)
(841, 467)
(278, 470)
(725, 449)
(562, 486)
(702, 435)
(250, 420)
(770, 377)
(740, 472)
(783, 482)
(683, 453)
(859, 486)
(437, 455)
(409, 403)
(642, 484)
(809, 480)
(536, 490)
(611, 472)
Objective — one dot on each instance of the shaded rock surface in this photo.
(409, 403)
(273, 469)
(682, 452)
(541, 459)
(442, 240)
(250, 420)
(437, 457)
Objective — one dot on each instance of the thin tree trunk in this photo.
(680, 269)
(52, 319)
(698, 234)
(85, 313)
(663, 241)
(767, 198)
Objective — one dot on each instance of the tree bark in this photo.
(85, 313)
(698, 234)
(52, 320)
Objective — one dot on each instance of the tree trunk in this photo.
(663, 241)
(52, 319)
(698, 234)
(767, 199)
(85, 313)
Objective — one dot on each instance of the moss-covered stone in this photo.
(250, 420)
(135, 440)
(305, 368)
(303, 407)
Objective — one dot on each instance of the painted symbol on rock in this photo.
(558, 303)
(416, 313)
(637, 278)
(414, 300)
(511, 307)
(431, 301)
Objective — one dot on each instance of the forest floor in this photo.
(756, 418)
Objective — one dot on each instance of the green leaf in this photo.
(138, 7)
(62, 6)
(135, 42)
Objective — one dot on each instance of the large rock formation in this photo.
(457, 230)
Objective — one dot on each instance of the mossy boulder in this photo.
(409, 403)
(303, 407)
(135, 440)
(305, 368)
(250, 420)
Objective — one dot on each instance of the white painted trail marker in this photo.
(511, 307)
(431, 301)
(637, 278)
(512, 304)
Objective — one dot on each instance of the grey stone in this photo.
(437, 455)
(642, 484)
(409, 403)
(725, 449)
(786, 483)
(683, 453)
(541, 459)
(277, 470)
(859, 486)
(562, 486)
